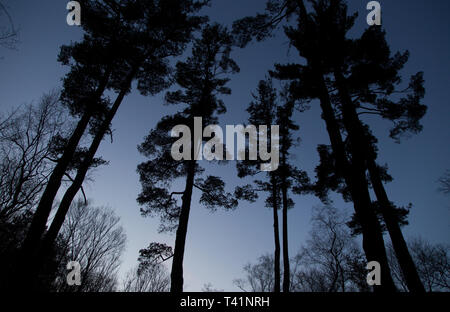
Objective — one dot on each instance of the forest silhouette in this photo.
(49, 150)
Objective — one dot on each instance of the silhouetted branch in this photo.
(81, 188)
(8, 36)
(445, 183)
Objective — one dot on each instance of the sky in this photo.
(219, 244)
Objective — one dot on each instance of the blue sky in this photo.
(220, 244)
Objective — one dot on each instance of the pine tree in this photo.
(290, 177)
(315, 37)
(368, 82)
(263, 111)
(365, 70)
(267, 109)
(123, 42)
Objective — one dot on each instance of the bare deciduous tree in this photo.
(209, 287)
(328, 249)
(432, 261)
(25, 152)
(94, 237)
(259, 276)
(150, 275)
(148, 278)
(330, 262)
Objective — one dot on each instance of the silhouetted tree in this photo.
(330, 261)
(268, 109)
(444, 182)
(8, 32)
(150, 275)
(123, 42)
(259, 276)
(432, 261)
(262, 111)
(291, 178)
(313, 38)
(153, 278)
(203, 78)
(26, 151)
(331, 254)
(93, 237)
(12, 233)
(155, 253)
(368, 82)
(210, 288)
(347, 73)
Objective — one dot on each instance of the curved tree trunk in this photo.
(71, 192)
(42, 213)
(31, 243)
(398, 242)
(373, 242)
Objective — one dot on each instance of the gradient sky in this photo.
(220, 244)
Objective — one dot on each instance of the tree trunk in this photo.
(31, 242)
(373, 243)
(353, 174)
(287, 271)
(72, 191)
(276, 231)
(398, 242)
(180, 240)
(42, 213)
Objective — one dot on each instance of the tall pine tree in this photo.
(271, 108)
(357, 77)
(320, 38)
(123, 42)
(203, 78)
